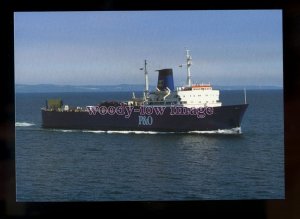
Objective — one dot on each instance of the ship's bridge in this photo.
(201, 87)
(198, 95)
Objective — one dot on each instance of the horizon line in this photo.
(86, 85)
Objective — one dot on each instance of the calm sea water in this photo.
(65, 165)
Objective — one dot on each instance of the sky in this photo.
(228, 47)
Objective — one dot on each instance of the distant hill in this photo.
(49, 88)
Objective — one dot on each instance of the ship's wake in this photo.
(236, 130)
(23, 124)
(232, 131)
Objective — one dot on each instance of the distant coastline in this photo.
(53, 88)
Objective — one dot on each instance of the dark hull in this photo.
(224, 117)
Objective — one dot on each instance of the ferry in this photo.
(192, 108)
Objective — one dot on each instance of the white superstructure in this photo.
(198, 95)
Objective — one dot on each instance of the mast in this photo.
(245, 96)
(146, 92)
(188, 65)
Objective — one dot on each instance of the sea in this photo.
(80, 165)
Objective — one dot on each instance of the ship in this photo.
(188, 108)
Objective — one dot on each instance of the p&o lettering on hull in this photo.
(145, 120)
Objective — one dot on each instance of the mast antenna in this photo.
(146, 91)
(245, 96)
(188, 64)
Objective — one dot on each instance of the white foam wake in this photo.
(97, 132)
(236, 130)
(137, 132)
(23, 124)
(66, 130)
(220, 131)
(124, 132)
